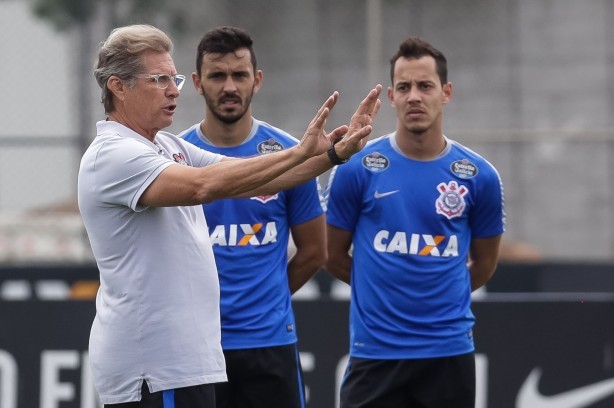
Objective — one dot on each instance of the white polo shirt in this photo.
(157, 309)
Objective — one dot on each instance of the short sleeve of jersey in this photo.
(124, 169)
(342, 194)
(304, 203)
(488, 215)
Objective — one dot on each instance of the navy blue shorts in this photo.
(443, 382)
(201, 396)
(267, 377)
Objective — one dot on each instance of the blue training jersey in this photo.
(412, 224)
(250, 242)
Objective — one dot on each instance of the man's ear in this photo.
(117, 87)
(258, 80)
(390, 94)
(196, 83)
(447, 92)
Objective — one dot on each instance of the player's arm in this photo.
(339, 261)
(483, 256)
(310, 241)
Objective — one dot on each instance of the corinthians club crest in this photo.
(451, 201)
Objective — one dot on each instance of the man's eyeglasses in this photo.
(164, 80)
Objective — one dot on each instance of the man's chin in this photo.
(166, 122)
(229, 119)
(417, 129)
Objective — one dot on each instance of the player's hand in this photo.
(316, 141)
(351, 139)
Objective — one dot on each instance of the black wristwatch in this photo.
(332, 155)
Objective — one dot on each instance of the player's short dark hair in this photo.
(224, 40)
(415, 47)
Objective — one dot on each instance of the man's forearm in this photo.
(237, 178)
(480, 274)
(300, 174)
(184, 185)
(300, 270)
(340, 268)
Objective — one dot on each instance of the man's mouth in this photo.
(230, 101)
(415, 113)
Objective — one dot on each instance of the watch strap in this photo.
(332, 155)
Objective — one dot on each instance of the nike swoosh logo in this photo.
(530, 397)
(387, 193)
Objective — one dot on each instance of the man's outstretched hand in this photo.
(350, 138)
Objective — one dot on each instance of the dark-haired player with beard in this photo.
(250, 235)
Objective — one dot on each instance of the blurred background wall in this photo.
(533, 92)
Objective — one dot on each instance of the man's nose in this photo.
(414, 94)
(229, 85)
